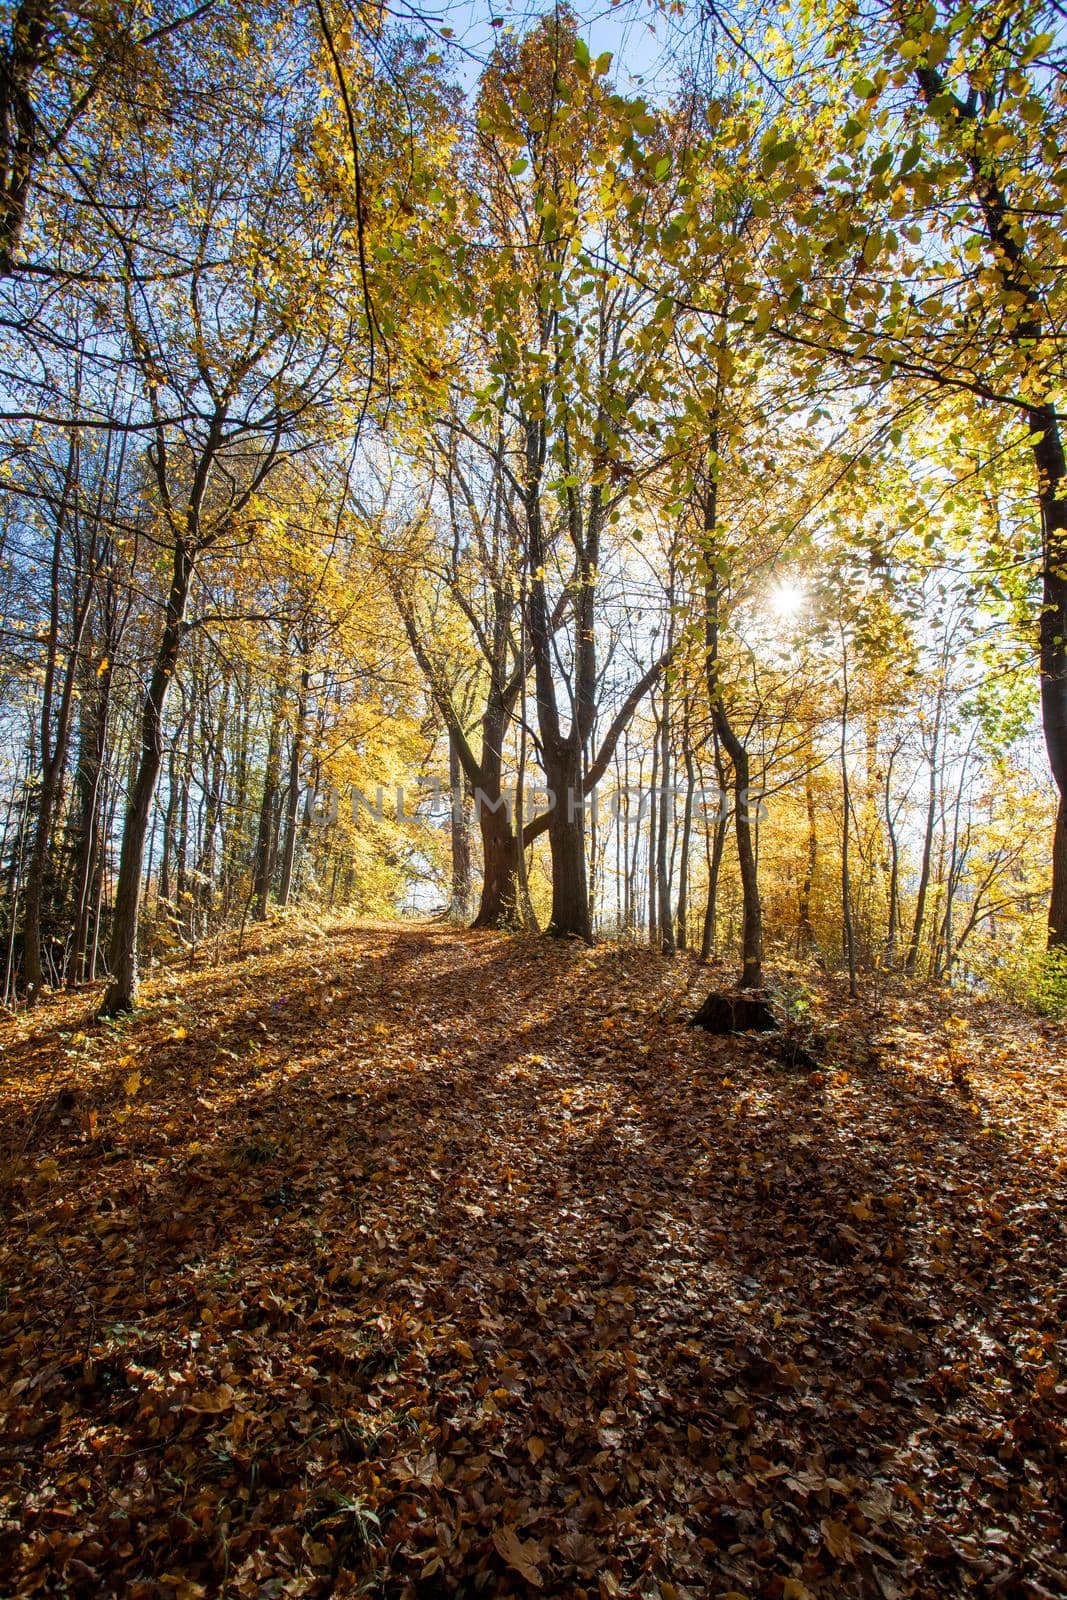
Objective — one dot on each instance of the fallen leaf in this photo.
(521, 1554)
(212, 1401)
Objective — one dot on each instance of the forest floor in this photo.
(396, 1260)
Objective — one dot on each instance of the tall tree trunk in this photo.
(460, 899)
(652, 887)
(663, 887)
(1058, 906)
(166, 847)
(18, 855)
(54, 741)
(1052, 494)
(1008, 255)
(95, 706)
(752, 912)
(292, 800)
(22, 55)
(893, 923)
(498, 905)
(181, 854)
(263, 873)
(915, 941)
(121, 992)
(213, 811)
(805, 926)
(682, 913)
(846, 809)
(715, 854)
(233, 830)
(566, 834)
(563, 754)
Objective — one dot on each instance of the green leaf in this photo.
(779, 151)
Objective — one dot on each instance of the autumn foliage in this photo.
(415, 1262)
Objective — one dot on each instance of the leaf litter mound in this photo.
(411, 1262)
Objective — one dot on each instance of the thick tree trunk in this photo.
(1052, 492)
(22, 55)
(121, 994)
(566, 833)
(498, 906)
(718, 844)
(563, 753)
(1005, 229)
(1058, 904)
(752, 912)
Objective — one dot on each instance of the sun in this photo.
(788, 599)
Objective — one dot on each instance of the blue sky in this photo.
(634, 31)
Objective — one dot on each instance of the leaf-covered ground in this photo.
(409, 1262)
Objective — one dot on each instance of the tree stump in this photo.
(746, 1012)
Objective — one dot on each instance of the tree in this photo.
(939, 261)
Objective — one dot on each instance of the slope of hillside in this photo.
(415, 1262)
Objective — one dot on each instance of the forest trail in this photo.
(398, 1260)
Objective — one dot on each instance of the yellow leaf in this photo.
(179, 1033)
(132, 1082)
(536, 1447)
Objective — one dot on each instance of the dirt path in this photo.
(410, 1262)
